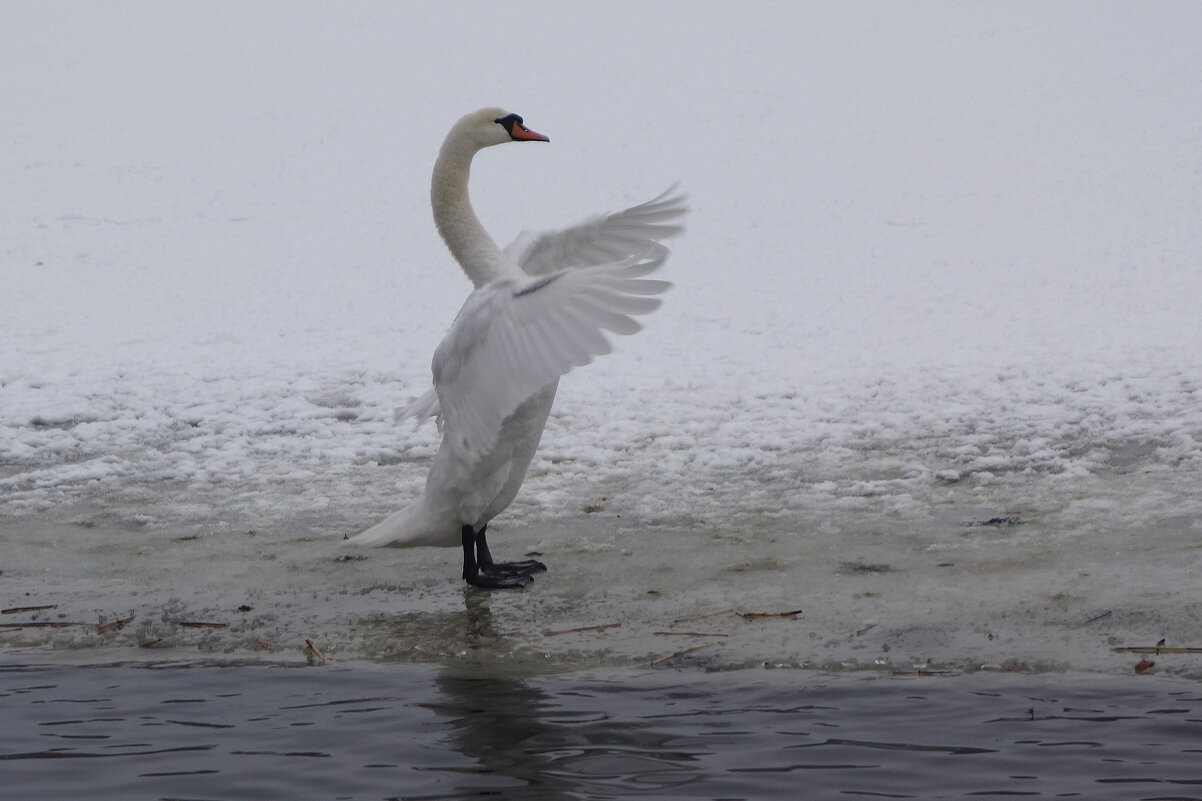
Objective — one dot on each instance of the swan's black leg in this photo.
(525, 567)
(472, 573)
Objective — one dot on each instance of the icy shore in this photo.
(930, 372)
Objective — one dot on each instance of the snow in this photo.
(942, 264)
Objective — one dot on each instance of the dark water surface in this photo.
(189, 731)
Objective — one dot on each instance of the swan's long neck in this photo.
(457, 222)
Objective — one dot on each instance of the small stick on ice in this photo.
(202, 624)
(690, 634)
(758, 615)
(314, 653)
(115, 625)
(681, 652)
(18, 609)
(1156, 649)
(705, 615)
(1096, 618)
(581, 628)
(40, 624)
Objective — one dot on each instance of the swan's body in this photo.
(539, 309)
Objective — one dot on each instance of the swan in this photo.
(539, 308)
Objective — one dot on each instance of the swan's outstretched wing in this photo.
(601, 240)
(514, 336)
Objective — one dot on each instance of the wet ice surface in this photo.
(1005, 580)
(248, 732)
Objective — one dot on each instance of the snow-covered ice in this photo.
(942, 269)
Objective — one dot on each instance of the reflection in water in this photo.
(524, 742)
(437, 636)
(244, 733)
(523, 739)
(518, 739)
(479, 630)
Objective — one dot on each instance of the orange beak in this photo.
(522, 132)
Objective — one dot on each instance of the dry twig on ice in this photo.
(758, 615)
(581, 628)
(681, 652)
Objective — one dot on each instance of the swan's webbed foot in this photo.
(498, 582)
(480, 570)
(526, 567)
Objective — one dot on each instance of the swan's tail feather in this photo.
(382, 533)
(397, 530)
(414, 525)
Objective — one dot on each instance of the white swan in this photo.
(539, 309)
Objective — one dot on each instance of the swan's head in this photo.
(494, 126)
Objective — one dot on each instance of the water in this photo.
(224, 732)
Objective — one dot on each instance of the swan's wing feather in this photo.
(633, 232)
(420, 409)
(515, 336)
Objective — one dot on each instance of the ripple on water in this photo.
(225, 733)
